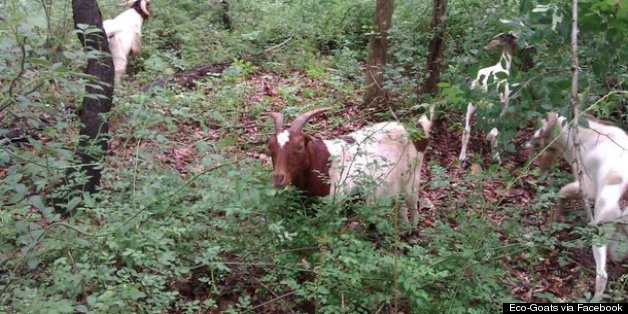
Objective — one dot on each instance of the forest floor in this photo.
(564, 277)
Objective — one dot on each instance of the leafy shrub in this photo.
(187, 221)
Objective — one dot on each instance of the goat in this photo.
(603, 158)
(125, 33)
(507, 43)
(381, 156)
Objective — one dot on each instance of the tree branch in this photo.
(578, 164)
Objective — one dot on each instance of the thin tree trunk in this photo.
(436, 48)
(226, 19)
(94, 125)
(374, 76)
(578, 162)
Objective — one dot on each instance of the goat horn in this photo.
(143, 5)
(127, 3)
(277, 119)
(299, 122)
(498, 36)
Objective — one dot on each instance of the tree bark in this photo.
(226, 19)
(436, 49)
(374, 77)
(94, 125)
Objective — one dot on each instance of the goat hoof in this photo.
(463, 163)
(475, 168)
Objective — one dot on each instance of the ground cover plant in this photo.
(186, 219)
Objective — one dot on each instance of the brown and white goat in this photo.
(507, 43)
(602, 154)
(381, 159)
(125, 33)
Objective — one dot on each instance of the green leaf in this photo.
(83, 243)
(75, 201)
(32, 262)
(20, 192)
(91, 300)
(37, 201)
(35, 231)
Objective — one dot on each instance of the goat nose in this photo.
(278, 180)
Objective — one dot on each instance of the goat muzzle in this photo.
(279, 180)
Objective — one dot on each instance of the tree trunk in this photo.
(374, 77)
(436, 48)
(94, 125)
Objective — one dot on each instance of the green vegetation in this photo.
(187, 220)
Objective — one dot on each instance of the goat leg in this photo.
(466, 134)
(492, 138)
(601, 277)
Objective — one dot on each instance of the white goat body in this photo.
(603, 158)
(380, 160)
(125, 36)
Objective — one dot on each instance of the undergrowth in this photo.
(187, 221)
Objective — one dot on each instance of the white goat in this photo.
(381, 156)
(603, 158)
(507, 43)
(125, 33)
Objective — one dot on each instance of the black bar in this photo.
(564, 307)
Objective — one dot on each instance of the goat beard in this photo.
(546, 160)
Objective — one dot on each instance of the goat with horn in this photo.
(381, 157)
(125, 33)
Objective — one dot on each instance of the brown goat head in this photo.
(502, 42)
(298, 159)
